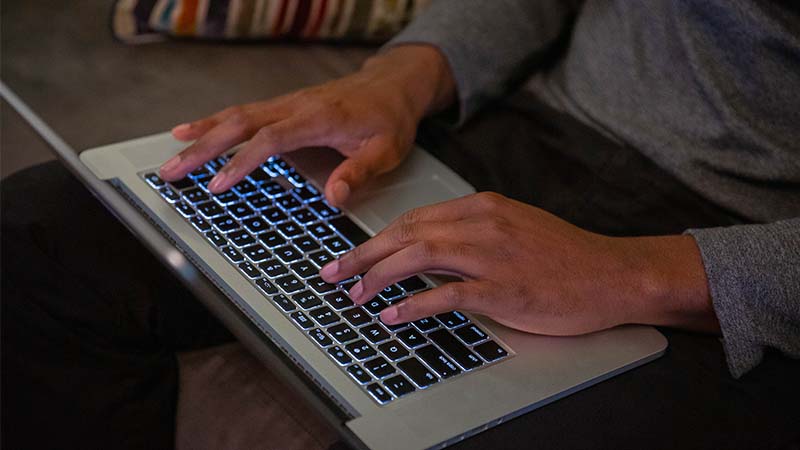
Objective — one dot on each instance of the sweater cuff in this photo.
(753, 275)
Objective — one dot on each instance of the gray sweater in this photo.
(708, 89)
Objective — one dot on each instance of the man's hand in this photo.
(529, 270)
(370, 117)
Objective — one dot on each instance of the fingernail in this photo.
(356, 291)
(341, 190)
(329, 270)
(171, 164)
(182, 128)
(389, 315)
(217, 181)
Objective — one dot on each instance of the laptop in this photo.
(252, 256)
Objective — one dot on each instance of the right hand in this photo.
(370, 117)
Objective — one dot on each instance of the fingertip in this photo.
(329, 271)
(341, 192)
(166, 169)
(390, 315)
(182, 132)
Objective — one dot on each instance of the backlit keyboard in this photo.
(278, 231)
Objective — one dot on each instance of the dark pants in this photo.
(91, 321)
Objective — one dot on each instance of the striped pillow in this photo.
(139, 21)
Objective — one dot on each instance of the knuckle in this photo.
(406, 234)
(238, 118)
(453, 295)
(410, 217)
(489, 201)
(427, 250)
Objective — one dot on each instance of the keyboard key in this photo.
(199, 223)
(322, 209)
(455, 349)
(288, 253)
(256, 225)
(288, 202)
(279, 164)
(375, 333)
(349, 230)
(226, 198)
(256, 252)
(320, 230)
(240, 210)
(301, 319)
(438, 362)
(413, 284)
(452, 319)
(336, 245)
(289, 283)
(379, 367)
(290, 229)
(399, 385)
(244, 187)
(379, 393)
(240, 238)
(272, 239)
(225, 223)
(342, 333)
(426, 324)
(274, 215)
(338, 300)
(375, 306)
(356, 316)
(490, 351)
(412, 338)
(307, 193)
(283, 302)
(320, 286)
(259, 201)
(391, 292)
(183, 183)
(419, 374)
(169, 194)
(272, 188)
(397, 326)
(273, 268)
(209, 209)
(202, 182)
(306, 299)
(184, 209)
(360, 350)
(266, 286)
(305, 243)
(304, 216)
(295, 178)
(393, 350)
(216, 238)
(320, 258)
(359, 374)
(154, 180)
(249, 270)
(195, 196)
(232, 254)
(339, 355)
(304, 269)
(320, 337)
(470, 334)
(259, 177)
(324, 315)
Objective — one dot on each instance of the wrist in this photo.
(420, 73)
(668, 283)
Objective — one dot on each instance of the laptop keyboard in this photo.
(278, 231)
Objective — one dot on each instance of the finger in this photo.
(193, 130)
(450, 210)
(279, 137)
(469, 296)
(221, 138)
(384, 244)
(372, 160)
(459, 260)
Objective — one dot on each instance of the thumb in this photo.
(368, 162)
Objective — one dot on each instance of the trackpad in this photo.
(378, 208)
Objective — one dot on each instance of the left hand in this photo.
(529, 270)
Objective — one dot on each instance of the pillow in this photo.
(372, 21)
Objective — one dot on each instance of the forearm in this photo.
(420, 73)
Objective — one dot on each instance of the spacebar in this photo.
(349, 230)
(463, 356)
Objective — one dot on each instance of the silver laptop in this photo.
(425, 384)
